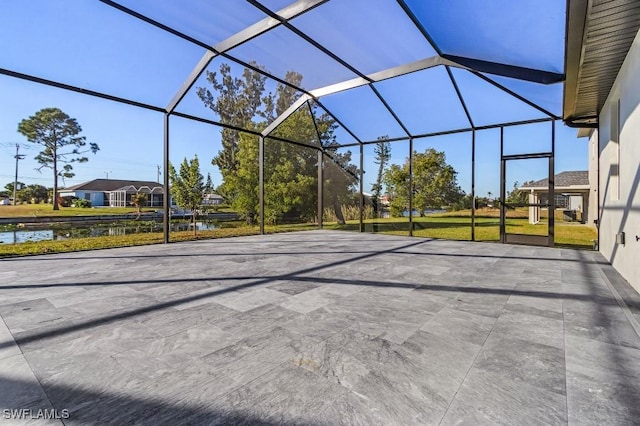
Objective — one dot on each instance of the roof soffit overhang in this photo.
(599, 36)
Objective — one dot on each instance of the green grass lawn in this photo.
(453, 226)
(35, 210)
(457, 226)
(92, 243)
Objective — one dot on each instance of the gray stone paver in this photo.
(320, 327)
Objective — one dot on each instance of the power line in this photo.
(26, 177)
(8, 147)
(18, 157)
(26, 147)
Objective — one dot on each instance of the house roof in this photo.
(104, 185)
(599, 35)
(563, 180)
(213, 196)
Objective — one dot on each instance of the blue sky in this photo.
(91, 45)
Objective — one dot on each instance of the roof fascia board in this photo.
(557, 188)
(577, 12)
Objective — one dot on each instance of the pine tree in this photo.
(382, 150)
(59, 135)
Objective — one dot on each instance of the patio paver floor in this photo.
(320, 327)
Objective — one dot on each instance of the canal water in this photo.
(64, 233)
(416, 213)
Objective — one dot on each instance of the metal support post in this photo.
(167, 196)
(411, 187)
(599, 200)
(320, 189)
(261, 182)
(503, 208)
(552, 187)
(473, 185)
(361, 218)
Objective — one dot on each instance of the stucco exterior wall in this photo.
(619, 146)
(96, 198)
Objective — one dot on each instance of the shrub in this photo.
(82, 203)
(66, 201)
(348, 212)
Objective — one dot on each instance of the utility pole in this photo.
(18, 157)
(158, 174)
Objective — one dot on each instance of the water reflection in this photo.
(14, 237)
(416, 213)
(23, 236)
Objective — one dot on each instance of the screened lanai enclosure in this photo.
(300, 96)
(328, 114)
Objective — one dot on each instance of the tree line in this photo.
(290, 173)
(34, 194)
(290, 176)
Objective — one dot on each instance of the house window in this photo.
(614, 169)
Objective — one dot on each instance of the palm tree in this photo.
(139, 200)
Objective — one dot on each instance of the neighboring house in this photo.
(212, 200)
(602, 98)
(118, 193)
(122, 197)
(571, 189)
(115, 192)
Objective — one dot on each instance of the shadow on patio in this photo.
(472, 329)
